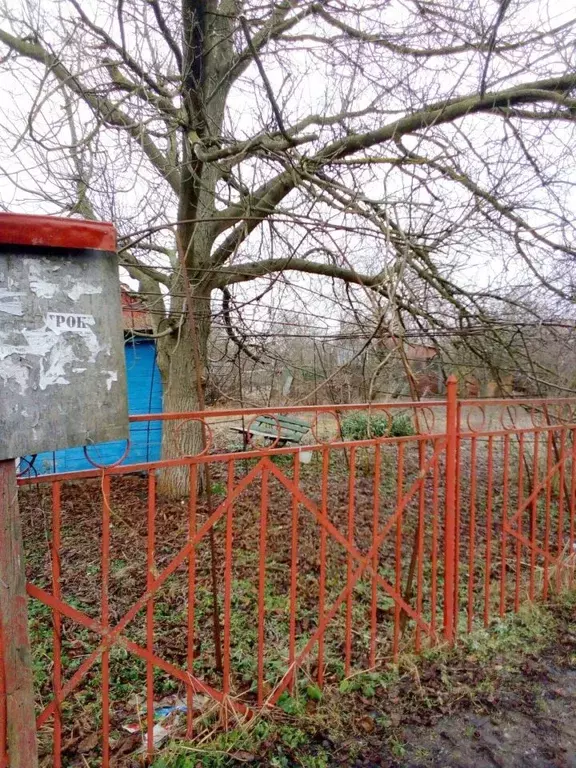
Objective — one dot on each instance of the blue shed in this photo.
(144, 396)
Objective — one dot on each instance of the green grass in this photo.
(363, 426)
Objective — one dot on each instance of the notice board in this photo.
(62, 364)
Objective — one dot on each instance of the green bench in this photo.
(278, 430)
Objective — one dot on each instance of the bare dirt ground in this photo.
(533, 725)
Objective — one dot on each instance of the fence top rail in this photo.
(205, 458)
(398, 405)
(524, 402)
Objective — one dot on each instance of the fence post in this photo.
(20, 729)
(450, 510)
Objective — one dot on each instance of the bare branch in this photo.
(104, 108)
(162, 25)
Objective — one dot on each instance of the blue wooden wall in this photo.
(144, 396)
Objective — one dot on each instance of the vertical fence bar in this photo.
(435, 511)
(105, 663)
(294, 577)
(375, 556)
(150, 541)
(504, 542)
(472, 533)
(488, 555)
(192, 501)
(420, 543)
(547, 512)
(398, 552)
(262, 583)
(520, 522)
(228, 582)
(349, 561)
(534, 514)
(322, 580)
(450, 511)
(560, 537)
(457, 524)
(57, 622)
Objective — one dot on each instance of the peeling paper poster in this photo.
(11, 303)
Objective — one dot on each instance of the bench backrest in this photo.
(289, 428)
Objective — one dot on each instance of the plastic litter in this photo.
(162, 711)
(159, 735)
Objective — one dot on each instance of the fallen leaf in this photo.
(89, 742)
(125, 746)
(366, 723)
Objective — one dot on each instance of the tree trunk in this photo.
(177, 363)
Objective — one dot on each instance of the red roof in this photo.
(135, 316)
(55, 232)
(414, 351)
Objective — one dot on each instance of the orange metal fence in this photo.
(324, 568)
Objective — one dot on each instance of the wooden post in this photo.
(15, 653)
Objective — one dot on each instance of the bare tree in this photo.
(351, 141)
